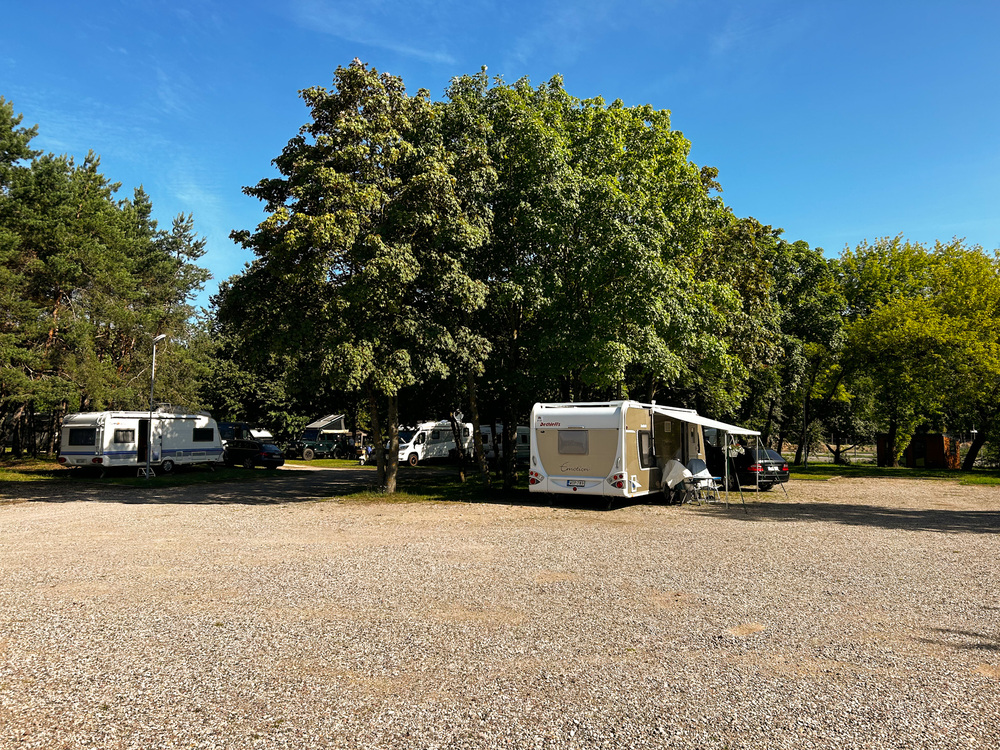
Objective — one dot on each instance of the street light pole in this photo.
(149, 427)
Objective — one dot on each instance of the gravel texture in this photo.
(849, 614)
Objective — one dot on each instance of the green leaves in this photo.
(86, 282)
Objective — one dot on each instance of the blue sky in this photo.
(837, 121)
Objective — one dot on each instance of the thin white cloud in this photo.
(764, 28)
(386, 24)
(172, 93)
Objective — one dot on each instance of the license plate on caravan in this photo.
(575, 483)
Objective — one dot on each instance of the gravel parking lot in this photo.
(851, 614)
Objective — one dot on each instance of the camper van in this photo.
(612, 449)
(494, 450)
(432, 440)
(123, 438)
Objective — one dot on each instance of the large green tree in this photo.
(368, 232)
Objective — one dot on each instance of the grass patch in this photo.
(868, 471)
(31, 470)
(331, 463)
(48, 469)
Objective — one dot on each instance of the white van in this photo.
(126, 438)
(432, 440)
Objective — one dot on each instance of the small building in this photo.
(929, 451)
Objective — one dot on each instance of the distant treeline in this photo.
(513, 244)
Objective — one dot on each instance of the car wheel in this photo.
(247, 463)
(167, 466)
(766, 486)
(308, 454)
(412, 459)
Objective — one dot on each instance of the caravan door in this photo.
(143, 440)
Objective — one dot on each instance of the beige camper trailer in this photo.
(612, 449)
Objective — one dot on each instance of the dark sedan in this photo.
(754, 467)
(760, 467)
(251, 453)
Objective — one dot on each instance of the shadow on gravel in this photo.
(291, 488)
(903, 519)
(963, 640)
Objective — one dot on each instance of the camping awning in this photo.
(682, 415)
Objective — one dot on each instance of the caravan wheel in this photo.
(167, 466)
(412, 459)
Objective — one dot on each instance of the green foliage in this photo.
(86, 281)
(368, 231)
(924, 335)
(521, 244)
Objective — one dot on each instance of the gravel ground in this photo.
(851, 614)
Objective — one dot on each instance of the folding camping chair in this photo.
(700, 486)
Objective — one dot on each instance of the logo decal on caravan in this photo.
(549, 424)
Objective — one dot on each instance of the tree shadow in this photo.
(901, 519)
(268, 489)
(963, 640)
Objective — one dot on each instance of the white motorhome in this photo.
(492, 450)
(432, 440)
(125, 438)
(613, 448)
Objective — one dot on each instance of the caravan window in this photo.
(204, 435)
(83, 436)
(574, 442)
(435, 435)
(124, 436)
(646, 458)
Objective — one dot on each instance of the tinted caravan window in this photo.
(574, 442)
(646, 458)
(83, 436)
(204, 434)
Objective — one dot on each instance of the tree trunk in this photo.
(456, 431)
(801, 451)
(16, 432)
(392, 462)
(766, 436)
(509, 442)
(890, 443)
(977, 443)
(477, 440)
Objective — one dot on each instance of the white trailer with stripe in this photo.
(109, 439)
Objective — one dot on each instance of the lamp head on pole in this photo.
(159, 338)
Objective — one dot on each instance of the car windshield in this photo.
(268, 448)
(405, 436)
(310, 435)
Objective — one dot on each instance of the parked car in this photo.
(757, 467)
(251, 453)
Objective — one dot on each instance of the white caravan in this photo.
(613, 448)
(123, 438)
(432, 440)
